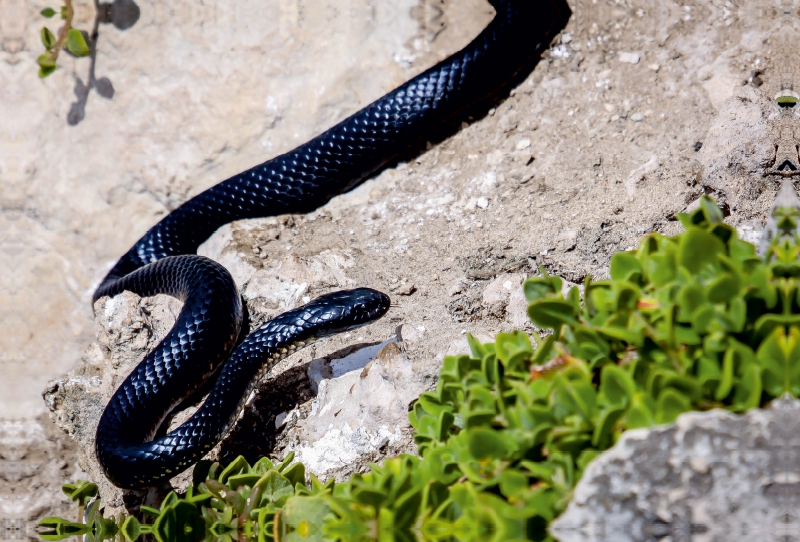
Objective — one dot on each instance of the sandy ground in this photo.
(597, 147)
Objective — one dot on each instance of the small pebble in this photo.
(637, 117)
(523, 144)
(566, 38)
(628, 58)
(457, 288)
(482, 202)
(697, 145)
(408, 289)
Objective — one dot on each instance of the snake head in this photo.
(345, 310)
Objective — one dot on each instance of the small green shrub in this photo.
(690, 322)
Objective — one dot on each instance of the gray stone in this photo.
(716, 474)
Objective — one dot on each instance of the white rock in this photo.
(523, 144)
(628, 58)
(357, 414)
(497, 294)
(482, 202)
(488, 182)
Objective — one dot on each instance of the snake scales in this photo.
(164, 259)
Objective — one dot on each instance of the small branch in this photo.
(62, 36)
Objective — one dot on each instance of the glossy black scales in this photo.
(122, 448)
(296, 182)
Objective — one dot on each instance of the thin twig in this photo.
(62, 36)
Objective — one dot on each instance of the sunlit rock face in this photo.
(720, 474)
(179, 97)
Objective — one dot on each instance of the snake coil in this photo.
(164, 259)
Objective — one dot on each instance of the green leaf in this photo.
(59, 529)
(661, 268)
(485, 443)
(513, 348)
(726, 382)
(625, 266)
(552, 313)
(48, 39)
(778, 355)
(131, 529)
(537, 288)
(616, 386)
(640, 413)
(513, 483)
(296, 474)
(237, 466)
(697, 249)
(603, 436)
(80, 491)
(48, 12)
(711, 211)
(305, 517)
(723, 288)
(432, 405)
(46, 65)
(748, 390)
(76, 44)
(478, 350)
(671, 404)
(262, 466)
(238, 480)
(165, 527)
(275, 488)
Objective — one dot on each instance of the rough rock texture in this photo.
(187, 96)
(35, 459)
(711, 476)
(338, 412)
(739, 146)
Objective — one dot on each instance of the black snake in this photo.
(164, 259)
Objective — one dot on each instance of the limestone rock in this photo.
(716, 474)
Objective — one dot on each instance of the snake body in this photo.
(164, 259)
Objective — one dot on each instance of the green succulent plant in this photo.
(689, 322)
